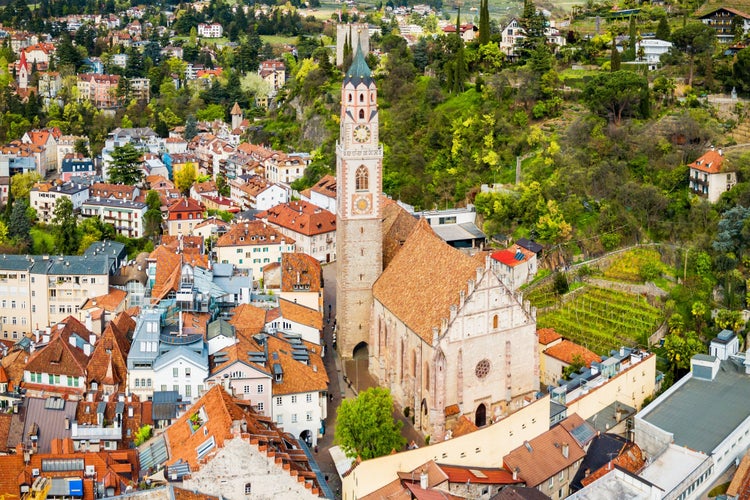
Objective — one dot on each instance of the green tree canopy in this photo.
(615, 95)
(21, 184)
(365, 426)
(185, 177)
(152, 217)
(64, 224)
(19, 226)
(126, 165)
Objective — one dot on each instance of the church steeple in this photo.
(359, 184)
(23, 72)
(359, 72)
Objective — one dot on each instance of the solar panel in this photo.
(62, 465)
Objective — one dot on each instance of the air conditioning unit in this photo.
(34, 472)
(90, 471)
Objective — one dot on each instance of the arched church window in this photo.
(350, 97)
(494, 321)
(413, 363)
(426, 376)
(372, 96)
(361, 98)
(361, 179)
(361, 114)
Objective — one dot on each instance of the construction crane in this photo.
(39, 489)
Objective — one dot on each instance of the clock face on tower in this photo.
(362, 133)
(362, 204)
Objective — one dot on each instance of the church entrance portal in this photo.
(480, 416)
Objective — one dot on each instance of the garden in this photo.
(603, 319)
(636, 266)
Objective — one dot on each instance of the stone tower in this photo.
(237, 116)
(359, 179)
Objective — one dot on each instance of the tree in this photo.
(694, 39)
(21, 184)
(680, 348)
(663, 31)
(577, 364)
(561, 285)
(81, 146)
(221, 184)
(365, 426)
(191, 128)
(185, 177)
(19, 226)
(126, 165)
(615, 57)
(152, 217)
(741, 70)
(615, 95)
(484, 22)
(64, 224)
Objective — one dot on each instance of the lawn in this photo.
(279, 40)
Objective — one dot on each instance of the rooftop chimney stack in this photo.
(565, 450)
(423, 480)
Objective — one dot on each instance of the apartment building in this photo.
(126, 216)
(43, 197)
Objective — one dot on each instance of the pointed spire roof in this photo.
(22, 63)
(236, 110)
(358, 72)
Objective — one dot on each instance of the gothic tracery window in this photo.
(361, 179)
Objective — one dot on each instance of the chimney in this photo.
(423, 477)
(87, 349)
(72, 341)
(92, 339)
(565, 450)
(515, 473)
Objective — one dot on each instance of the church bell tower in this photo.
(359, 184)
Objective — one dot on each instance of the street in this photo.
(340, 387)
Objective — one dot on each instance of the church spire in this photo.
(358, 72)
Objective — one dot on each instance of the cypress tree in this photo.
(615, 57)
(484, 22)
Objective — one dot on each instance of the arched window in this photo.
(350, 97)
(413, 363)
(361, 114)
(494, 321)
(361, 179)
(361, 98)
(426, 376)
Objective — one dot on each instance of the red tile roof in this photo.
(630, 459)
(108, 362)
(300, 217)
(59, 358)
(547, 335)
(711, 162)
(300, 272)
(252, 233)
(301, 314)
(544, 457)
(566, 350)
(298, 376)
(478, 475)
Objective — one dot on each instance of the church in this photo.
(439, 329)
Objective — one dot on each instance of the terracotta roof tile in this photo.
(300, 217)
(300, 272)
(397, 226)
(107, 190)
(429, 273)
(298, 377)
(238, 352)
(711, 162)
(566, 350)
(14, 364)
(109, 359)
(459, 474)
(326, 186)
(248, 319)
(168, 272)
(543, 457)
(463, 426)
(109, 302)
(59, 358)
(181, 494)
(185, 205)
(5, 419)
(301, 314)
(741, 480)
(252, 233)
(547, 335)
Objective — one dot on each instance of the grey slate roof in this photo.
(51, 422)
(458, 232)
(727, 396)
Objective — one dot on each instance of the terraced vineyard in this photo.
(627, 266)
(603, 319)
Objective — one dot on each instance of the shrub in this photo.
(561, 284)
